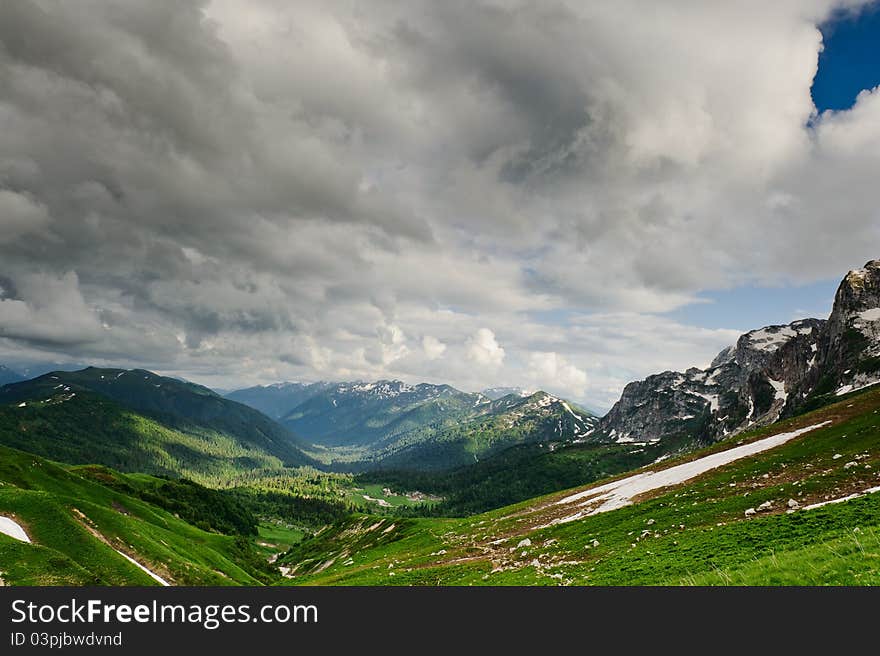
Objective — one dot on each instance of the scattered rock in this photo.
(793, 504)
(524, 543)
(649, 522)
(750, 512)
(765, 506)
(851, 463)
(595, 543)
(836, 456)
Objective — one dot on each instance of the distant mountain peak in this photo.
(379, 387)
(495, 393)
(8, 375)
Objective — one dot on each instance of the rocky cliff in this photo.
(769, 373)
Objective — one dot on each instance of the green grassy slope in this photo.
(696, 532)
(88, 428)
(76, 524)
(176, 405)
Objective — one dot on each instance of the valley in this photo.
(761, 469)
(695, 531)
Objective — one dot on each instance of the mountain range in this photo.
(277, 399)
(770, 373)
(136, 420)
(7, 376)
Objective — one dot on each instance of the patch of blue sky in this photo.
(850, 60)
(749, 307)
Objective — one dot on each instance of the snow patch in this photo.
(779, 389)
(770, 339)
(711, 398)
(13, 529)
(846, 389)
(620, 493)
(152, 574)
(870, 315)
(571, 412)
(870, 490)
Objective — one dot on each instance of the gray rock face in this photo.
(768, 373)
(849, 354)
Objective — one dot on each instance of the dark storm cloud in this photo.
(270, 189)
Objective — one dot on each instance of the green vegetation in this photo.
(210, 510)
(516, 474)
(381, 496)
(88, 429)
(345, 418)
(279, 536)
(460, 441)
(695, 533)
(239, 436)
(322, 531)
(78, 525)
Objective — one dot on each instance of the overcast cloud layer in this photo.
(479, 193)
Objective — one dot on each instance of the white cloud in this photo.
(556, 373)
(433, 347)
(483, 348)
(333, 193)
(392, 343)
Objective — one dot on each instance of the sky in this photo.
(557, 195)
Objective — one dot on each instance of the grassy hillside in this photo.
(87, 428)
(697, 532)
(78, 525)
(177, 405)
